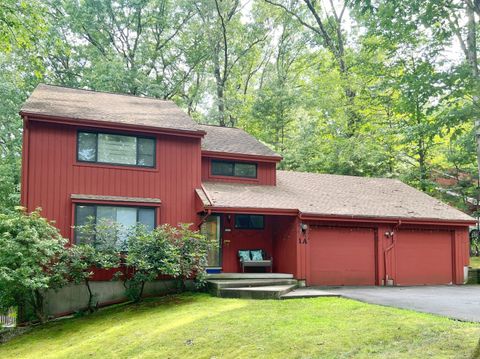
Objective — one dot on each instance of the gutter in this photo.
(392, 220)
(241, 156)
(206, 194)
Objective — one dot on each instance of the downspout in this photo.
(209, 211)
(204, 218)
(391, 235)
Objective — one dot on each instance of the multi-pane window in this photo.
(249, 221)
(234, 169)
(116, 149)
(124, 216)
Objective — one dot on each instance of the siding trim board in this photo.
(114, 199)
(115, 126)
(240, 156)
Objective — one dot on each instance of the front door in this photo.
(211, 229)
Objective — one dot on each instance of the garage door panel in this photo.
(342, 256)
(423, 257)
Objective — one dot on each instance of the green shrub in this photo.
(97, 246)
(32, 254)
(149, 255)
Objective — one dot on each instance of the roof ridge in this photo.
(105, 92)
(220, 126)
(340, 175)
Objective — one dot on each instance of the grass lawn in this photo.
(475, 262)
(200, 326)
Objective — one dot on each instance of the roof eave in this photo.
(253, 210)
(386, 219)
(241, 156)
(329, 218)
(110, 125)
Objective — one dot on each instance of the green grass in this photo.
(475, 262)
(200, 326)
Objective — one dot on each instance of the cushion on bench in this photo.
(256, 255)
(244, 256)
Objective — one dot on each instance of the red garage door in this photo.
(341, 256)
(423, 257)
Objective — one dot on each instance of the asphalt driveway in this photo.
(457, 302)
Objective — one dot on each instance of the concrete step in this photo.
(263, 292)
(215, 286)
(308, 293)
(216, 276)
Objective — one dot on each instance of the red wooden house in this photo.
(135, 159)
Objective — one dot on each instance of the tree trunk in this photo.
(220, 97)
(470, 50)
(38, 306)
(90, 307)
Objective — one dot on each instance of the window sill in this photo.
(115, 167)
(234, 178)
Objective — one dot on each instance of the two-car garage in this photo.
(340, 255)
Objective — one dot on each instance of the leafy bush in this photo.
(31, 260)
(167, 250)
(192, 251)
(150, 254)
(97, 246)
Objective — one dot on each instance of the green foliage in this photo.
(97, 247)
(150, 254)
(192, 251)
(31, 260)
(166, 251)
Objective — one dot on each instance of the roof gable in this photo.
(232, 140)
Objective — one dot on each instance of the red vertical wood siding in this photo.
(285, 244)
(54, 174)
(235, 239)
(266, 173)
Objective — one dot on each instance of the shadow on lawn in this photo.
(476, 352)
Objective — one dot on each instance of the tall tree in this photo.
(328, 27)
(230, 40)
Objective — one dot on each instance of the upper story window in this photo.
(116, 149)
(234, 169)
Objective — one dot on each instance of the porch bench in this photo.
(246, 261)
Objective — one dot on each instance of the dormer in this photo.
(232, 155)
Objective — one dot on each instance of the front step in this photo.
(259, 292)
(216, 286)
(229, 276)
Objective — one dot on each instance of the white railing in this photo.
(8, 319)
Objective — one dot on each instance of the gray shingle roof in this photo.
(334, 195)
(102, 106)
(233, 141)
